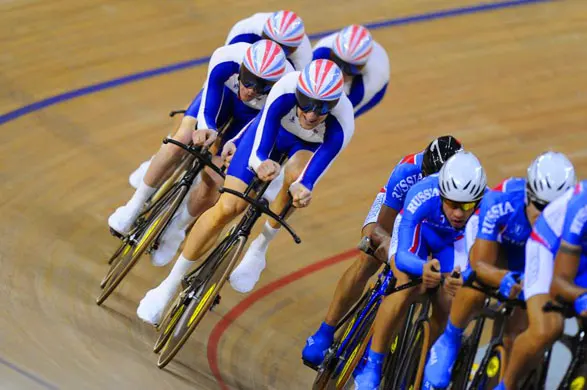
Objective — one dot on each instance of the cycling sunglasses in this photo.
(349, 69)
(539, 204)
(464, 206)
(320, 107)
(254, 82)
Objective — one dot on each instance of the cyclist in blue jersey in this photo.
(499, 234)
(557, 245)
(383, 217)
(435, 213)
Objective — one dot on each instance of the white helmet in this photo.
(549, 176)
(462, 178)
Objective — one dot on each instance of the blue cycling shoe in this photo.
(369, 377)
(442, 357)
(317, 345)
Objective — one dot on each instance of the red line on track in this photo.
(246, 303)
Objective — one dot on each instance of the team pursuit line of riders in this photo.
(447, 251)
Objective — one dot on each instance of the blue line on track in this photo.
(27, 374)
(36, 106)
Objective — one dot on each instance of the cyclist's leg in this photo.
(444, 351)
(543, 328)
(387, 322)
(160, 167)
(299, 152)
(203, 195)
(348, 290)
(204, 234)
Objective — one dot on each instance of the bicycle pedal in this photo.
(216, 302)
(311, 365)
(116, 234)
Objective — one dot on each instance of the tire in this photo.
(357, 350)
(328, 367)
(155, 224)
(412, 367)
(461, 371)
(393, 358)
(197, 307)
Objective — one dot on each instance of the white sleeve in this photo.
(303, 55)
(376, 75)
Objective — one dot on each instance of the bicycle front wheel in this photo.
(155, 224)
(197, 306)
(412, 369)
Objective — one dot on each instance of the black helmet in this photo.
(439, 150)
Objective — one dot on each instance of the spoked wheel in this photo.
(412, 369)
(355, 352)
(153, 226)
(197, 305)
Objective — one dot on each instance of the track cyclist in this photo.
(435, 213)
(365, 67)
(308, 118)
(559, 241)
(383, 217)
(499, 233)
(282, 27)
(239, 78)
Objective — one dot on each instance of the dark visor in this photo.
(254, 82)
(320, 107)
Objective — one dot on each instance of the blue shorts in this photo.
(443, 246)
(243, 117)
(286, 144)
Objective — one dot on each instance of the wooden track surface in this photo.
(510, 83)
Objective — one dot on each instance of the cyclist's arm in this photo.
(278, 104)
(375, 79)
(483, 257)
(566, 265)
(221, 68)
(339, 132)
(384, 226)
(303, 54)
(485, 251)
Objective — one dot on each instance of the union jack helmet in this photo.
(319, 87)
(263, 65)
(285, 28)
(353, 44)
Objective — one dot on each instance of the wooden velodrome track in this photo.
(508, 79)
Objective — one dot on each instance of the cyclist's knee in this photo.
(547, 329)
(367, 265)
(227, 208)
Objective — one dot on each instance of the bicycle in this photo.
(201, 287)
(574, 378)
(351, 341)
(410, 371)
(151, 223)
(493, 363)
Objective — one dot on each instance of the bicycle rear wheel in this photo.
(393, 358)
(153, 226)
(461, 371)
(196, 306)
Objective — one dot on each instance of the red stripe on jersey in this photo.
(416, 239)
(501, 186)
(409, 159)
(536, 237)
